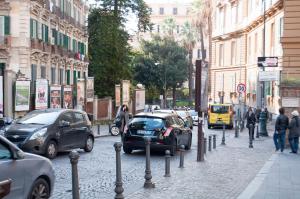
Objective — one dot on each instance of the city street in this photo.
(225, 173)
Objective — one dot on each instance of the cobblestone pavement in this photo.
(225, 173)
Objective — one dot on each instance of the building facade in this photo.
(244, 30)
(41, 39)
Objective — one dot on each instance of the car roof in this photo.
(220, 104)
(53, 110)
(154, 114)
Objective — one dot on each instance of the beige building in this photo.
(239, 39)
(42, 39)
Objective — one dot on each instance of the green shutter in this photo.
(6, 25)
(47, 34)
(74, 77)
(79, 75)
(68, 77)
(31, 28)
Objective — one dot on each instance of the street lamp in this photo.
(165, 84)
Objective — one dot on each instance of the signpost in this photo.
(267, 61)
(241, 88)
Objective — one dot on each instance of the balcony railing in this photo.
(37, 44)
(5, 42)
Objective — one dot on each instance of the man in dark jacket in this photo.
(251, 119)
(294, 133)
(282, 123)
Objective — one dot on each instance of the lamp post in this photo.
(165, 84)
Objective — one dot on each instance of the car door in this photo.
(80, 127)
(11, 169)
(67, 132)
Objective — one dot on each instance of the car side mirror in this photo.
(5, 188)
(63, 124)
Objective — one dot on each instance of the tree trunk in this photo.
(203, 53)
(190, 77)
(174, 96)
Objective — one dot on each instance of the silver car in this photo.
(32, 175)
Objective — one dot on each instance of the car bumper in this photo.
(36, 146)
(139, 143)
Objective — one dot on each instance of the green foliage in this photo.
(163, 61)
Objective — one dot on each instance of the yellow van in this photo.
(219, 114)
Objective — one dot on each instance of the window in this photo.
(221, 53)
(53, 78)
(158, 28)
(33, 72)
(33, 28)
(78, 75)
(161, 11)
(68, 117)
(43, 72)
(61, 76)
(74, 77)
(79, 117)
(68, 77)
(38, 117)
(233, 53)
(249, 50)
(4, 25)
(4, 152)
(281, 27)
(175, 10)
(45, 32)
(255, 45)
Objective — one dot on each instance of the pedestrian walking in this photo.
(294, 133)
(251, 119)
(282, 123)
(124, 118)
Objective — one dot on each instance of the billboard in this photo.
(22, 95)
(55, 96)
(67, 102)
(90, 89)
(41, 94)
(80, 92)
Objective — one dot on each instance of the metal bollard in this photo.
(181, 162)
(257, 131)
(223, 137)
(119, 184)
(236, 129)
(148, 183)
(209, 143)
(214, 141)
(98, 126)
(205, 145)
(74, 156)
(167, 167)
(251, 135)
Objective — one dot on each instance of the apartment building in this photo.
(41, 39)
(241, 34)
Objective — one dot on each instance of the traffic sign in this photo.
(241, 88)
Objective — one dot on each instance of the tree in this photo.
(168, 27)
(163, 64)
(189, 40)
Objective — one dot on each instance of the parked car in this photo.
(4, 123)
(219, 115)
(49, 131)
(194, 116)
(166, 130)
(32, 176)
(5, 187)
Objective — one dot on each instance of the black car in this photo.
(166, 130)
(49, 131)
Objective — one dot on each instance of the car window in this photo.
(182, 114)
(146, 123)
(37, 117)
(79, 117)
(219, 109)
(68, 117)
(4, 152)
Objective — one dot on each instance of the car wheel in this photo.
(188, 147)
(51, 149)
(89, 144)
(40, 190)
(114, 131)
(127, 150)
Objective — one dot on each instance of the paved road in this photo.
(225, 173)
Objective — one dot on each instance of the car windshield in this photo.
(146, 123)
(193, 113)
(44, 118)
(219, 109)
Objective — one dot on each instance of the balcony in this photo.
(47, 48)
(5, 42)
(37, 44)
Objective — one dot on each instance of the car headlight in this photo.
(38, 134)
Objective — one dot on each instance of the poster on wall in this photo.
(90, 89)
(67, 97)
(139, 100)
(80, 93)
(125, 91)
(22, 95)
(118, 95)
(41, 94)
(1, 97)
(55, 96)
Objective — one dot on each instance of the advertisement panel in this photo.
(41, 94)
(80, 93)
(67, 103)
(90, 89)
(55, 96)
(125, 91)
(22, 95)
(118, 95)
(1, 97)
(139, 100)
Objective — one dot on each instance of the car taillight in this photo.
(168, 131)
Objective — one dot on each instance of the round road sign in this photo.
(241, 88)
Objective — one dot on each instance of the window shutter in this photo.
(6, 25)
(31, 28)
(47, 34)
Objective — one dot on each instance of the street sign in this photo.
(241, 88)
(266, 76)
(267, 61)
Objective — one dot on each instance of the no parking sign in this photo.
(241, 88)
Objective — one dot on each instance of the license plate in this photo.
(143, 132)
(219, 122)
